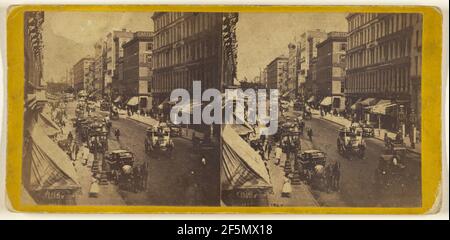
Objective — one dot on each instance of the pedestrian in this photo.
(310, 133)
(117, 134)
(70, 137)
(269, 149)
(336, 174)
(144, 171)
(287, 187)
(94, 188)
(278, 154)
(85, 154)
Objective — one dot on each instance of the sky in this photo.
(263, 36)
(69, 36)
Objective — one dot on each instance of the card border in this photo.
(431, 109)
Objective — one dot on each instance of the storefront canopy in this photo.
(118, 99)
(354, 106)
(51, 168)
(133, 101)
(326, 101)
(368, 102)
(48, 126)
(382, 107)
(242, 167)
(311, 99)
(241, 129)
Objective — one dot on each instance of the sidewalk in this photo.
(301, 194)
(379, 133)
(108, 194)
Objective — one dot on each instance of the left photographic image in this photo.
(97, 127)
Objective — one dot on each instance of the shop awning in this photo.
(326, 101)
(242, 167)
(241, 129)
(311, 99)
(188, 107)
(118, 99)
(48, 126)
(368, 102)
(380, 102)
(45, 117)
(51, 168)
(133, 101)
(382, 107)
(354, 106)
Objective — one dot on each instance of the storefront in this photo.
(51, 177)
(245, 181)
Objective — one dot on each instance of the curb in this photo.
(407, 149)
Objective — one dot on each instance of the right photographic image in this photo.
(330, 113)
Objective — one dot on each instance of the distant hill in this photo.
(61, 53)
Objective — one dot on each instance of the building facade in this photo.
(99, 48)
(137, 68)
(114, 41)
(83, 74)
(330, 69)
(187, 48)
(384, 63)
(277, 72)
(293, 68)
(263, 77)
(307, 50)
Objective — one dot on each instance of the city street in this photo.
(358, 188)
(177, 180)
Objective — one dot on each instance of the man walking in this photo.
(278, 153)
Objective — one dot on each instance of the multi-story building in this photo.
(330, 70)
(263, 77)
(307, 50)
(99, 48)
(83, 74)
(137, 68)
(187, 48)
(383, 63)
(46, 177)
(293, 68)
(277, 72)
(114, 41)
(311, 88)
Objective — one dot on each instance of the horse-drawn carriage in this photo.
(391, 169)
(395, 145)
(311, 166)
(114, 113)
(97, 137)
(120, 164)
(350, 143)
(158, 138)
(307, 115)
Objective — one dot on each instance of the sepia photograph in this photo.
(127, 108)
(349, 118)
(97, 128)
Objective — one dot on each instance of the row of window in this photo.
(166, 18)
(388, 25)
(386, 80)
(167, 81)
(189, 52)
(380, 53)
(360, 19)
(193, 25)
